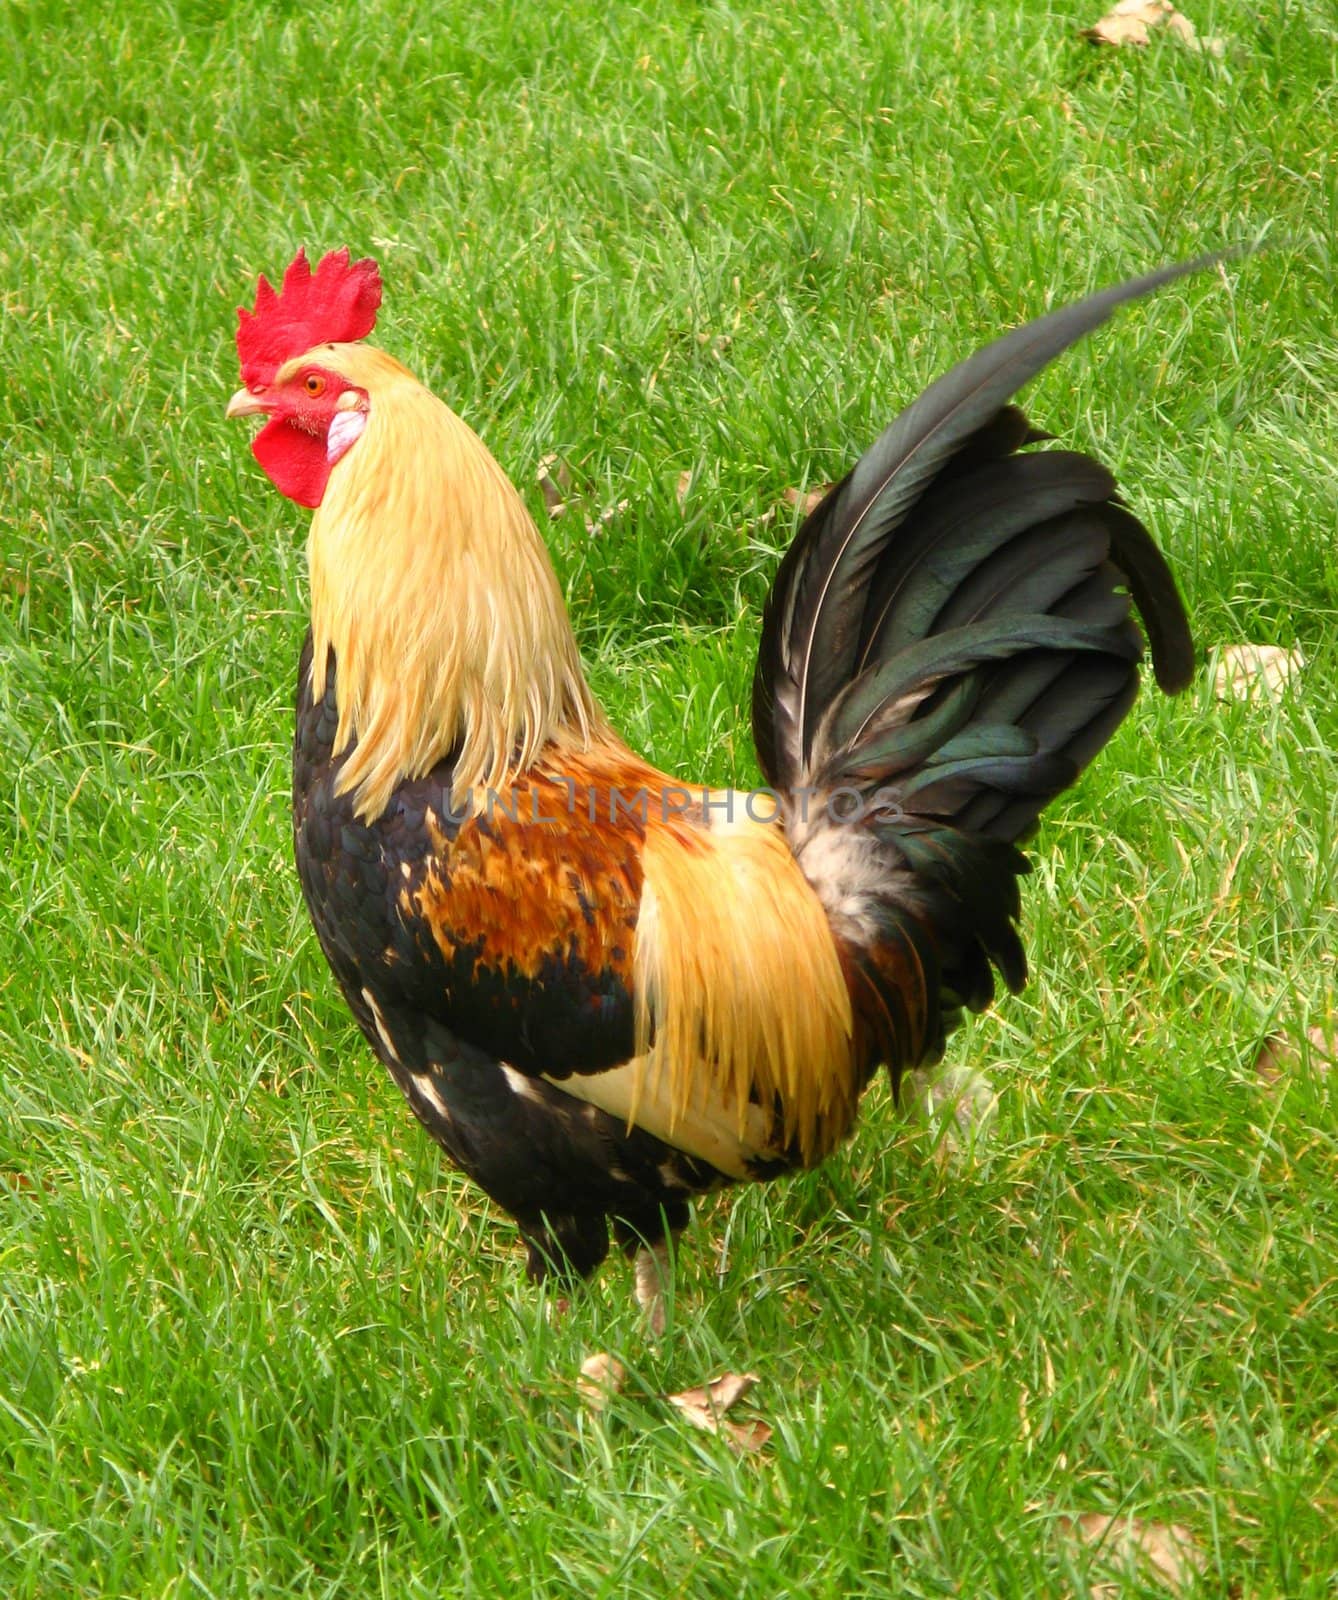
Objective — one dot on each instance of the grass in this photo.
(255, 1339)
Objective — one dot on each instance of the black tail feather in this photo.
(952, 635)
(818, 628)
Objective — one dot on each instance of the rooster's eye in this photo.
(315, 384)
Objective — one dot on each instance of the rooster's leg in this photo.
(652, 1281)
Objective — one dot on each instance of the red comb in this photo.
(332, 305)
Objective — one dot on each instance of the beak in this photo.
(245, 404)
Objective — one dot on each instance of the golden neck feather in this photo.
(433, 586)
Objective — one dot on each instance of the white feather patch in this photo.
(428, 1089)
(639, 1092)
(344, 432)
(383, 1033)
(518, 1083)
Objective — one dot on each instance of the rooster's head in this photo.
(289, 354)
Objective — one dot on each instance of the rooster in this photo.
(604, 991)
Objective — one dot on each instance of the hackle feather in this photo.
(430, 582)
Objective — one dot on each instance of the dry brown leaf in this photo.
(1126, 24)
(1254, 671)
(705, 1408)
(1323, 1047)
(716, 1397)
(554, 477)
(601, 522)
(561, 492)
(1132, 22)
(747, 1437)
(807, 500)
(1273, 1053)
(602, 1377)
(1165, 1550)
(1280, 1053)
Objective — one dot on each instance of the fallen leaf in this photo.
(1280, 1053)
(705, 1408)
(807, 500)
(554, 477)
(600, 523)
(748, 1437)
(1126, 24)
(1132, 22)
(1164, 1550)
(561, 491)
(717, 1396)
(1254, 671)
(1272, 1053)
(602, 1376)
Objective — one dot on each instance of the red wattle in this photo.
(294, 461)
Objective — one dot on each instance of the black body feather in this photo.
(466, 1037)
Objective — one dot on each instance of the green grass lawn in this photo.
(255, 1338)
